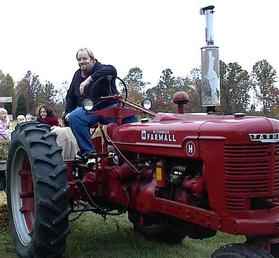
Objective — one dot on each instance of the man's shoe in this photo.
(90, 158)
(89, 155)
(78, 156)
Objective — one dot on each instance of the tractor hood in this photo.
(173, 130)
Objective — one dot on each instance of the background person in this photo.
(28, 117)
(45, 115)
(4, 125)
(20, 119)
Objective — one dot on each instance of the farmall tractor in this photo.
(177, 175)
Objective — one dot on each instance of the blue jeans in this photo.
(81, 121)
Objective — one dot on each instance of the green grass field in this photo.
(92, 237)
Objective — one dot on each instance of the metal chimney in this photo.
(210, 91)
(208, 12)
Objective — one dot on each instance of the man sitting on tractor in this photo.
(90, 74)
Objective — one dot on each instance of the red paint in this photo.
(27, 193)
(236, 174)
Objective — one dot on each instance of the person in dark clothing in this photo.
(86, 62)
(90, 69)
(45, 115)
(85, 81)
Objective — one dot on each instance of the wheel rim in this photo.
(22, 196)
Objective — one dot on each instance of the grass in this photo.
(94, 237)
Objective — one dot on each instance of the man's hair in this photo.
(89, 52)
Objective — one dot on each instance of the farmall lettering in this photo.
(157, 136)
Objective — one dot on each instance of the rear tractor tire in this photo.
(38, 207)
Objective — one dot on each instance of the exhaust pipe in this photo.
(210, 90)
(208, 12)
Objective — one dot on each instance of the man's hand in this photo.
(84, 84)
(65, 119)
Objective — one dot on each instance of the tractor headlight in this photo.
(147, 104)
(87, 104)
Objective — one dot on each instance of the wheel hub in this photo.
(22, 196)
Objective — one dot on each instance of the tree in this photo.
(195, 94)
(264, 78)
(22, 90)
(275, 107)
(45, 93)
(7, 89)
(61, 93)
(2, 76)
(21, 108)
(35, 92)
(28, 87)
(135, 84)
(60, 98)
(162, 94)
(235, 86)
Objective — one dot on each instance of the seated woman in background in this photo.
(4, 125)
(45, 115)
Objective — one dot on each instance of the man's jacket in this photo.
(100, 86)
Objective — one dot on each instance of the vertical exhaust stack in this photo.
(210, 91)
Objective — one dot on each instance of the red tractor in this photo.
(177, 175)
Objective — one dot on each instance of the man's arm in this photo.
(84, 84)
(71, 101)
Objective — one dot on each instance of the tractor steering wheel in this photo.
(88, 91)
(125, 88)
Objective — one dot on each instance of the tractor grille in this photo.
(251, 171)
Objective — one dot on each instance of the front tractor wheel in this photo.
(240, 251)
(37, 193)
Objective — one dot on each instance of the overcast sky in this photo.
(43, 36)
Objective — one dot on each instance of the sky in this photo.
(43, 36)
